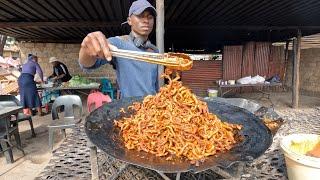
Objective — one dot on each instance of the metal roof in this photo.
(188, 23)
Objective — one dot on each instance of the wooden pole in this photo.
(3, 40)
(286, 51)
(160, 34)
(286, 56)
(294, 57)
(296, 69)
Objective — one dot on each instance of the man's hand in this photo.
(53, 79)
(94, 45)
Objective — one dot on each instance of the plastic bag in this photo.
(257, 79)
(244, 80)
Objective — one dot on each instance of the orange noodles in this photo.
(174, 123)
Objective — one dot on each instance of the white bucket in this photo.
(212, 93)
(300, 166)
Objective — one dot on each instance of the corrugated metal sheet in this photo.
(238, 61)
(248, 59)
(202, 76)
(262, 53)
(254, 58)
(248, 62)
(277, 62)
(232, 61)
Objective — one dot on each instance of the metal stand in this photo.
(165, 177)
(94, 161)
(121, 169)
(227, 173)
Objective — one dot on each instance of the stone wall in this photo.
(309, 72)
(66, 53)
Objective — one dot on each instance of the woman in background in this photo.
(60, 71)
(27, 86)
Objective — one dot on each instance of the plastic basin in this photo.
(300, 166)
(212, 93)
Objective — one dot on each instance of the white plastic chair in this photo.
(69, 102)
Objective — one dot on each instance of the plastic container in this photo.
(212, 93)
(300, 166)
(231, 82)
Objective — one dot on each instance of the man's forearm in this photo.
(86, 60)
(61, 76)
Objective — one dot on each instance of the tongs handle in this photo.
(123, 52)
(150, 57)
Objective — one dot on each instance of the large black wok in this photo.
(101, 131)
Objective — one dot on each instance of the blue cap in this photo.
(139, 6)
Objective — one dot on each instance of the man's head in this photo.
(53, 60)
(141, 17)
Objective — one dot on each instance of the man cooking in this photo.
(135, 78)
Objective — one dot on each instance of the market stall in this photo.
(49, 91)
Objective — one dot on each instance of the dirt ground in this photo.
(281, 101)
(38, 153)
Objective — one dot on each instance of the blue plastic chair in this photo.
(106, 87)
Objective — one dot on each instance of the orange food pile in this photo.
(174, 123)
(315, 152)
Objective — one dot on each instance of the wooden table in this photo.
(260, 85)
(5, 117)
(67, 89)
(8, 111)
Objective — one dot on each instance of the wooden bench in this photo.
(256, 86)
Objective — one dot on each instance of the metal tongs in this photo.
(178, 61)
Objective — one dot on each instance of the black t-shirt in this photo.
(60, 69)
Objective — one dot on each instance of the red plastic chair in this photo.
(96, 99)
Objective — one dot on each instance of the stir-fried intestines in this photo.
(175, 123)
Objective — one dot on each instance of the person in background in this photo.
(29, 96)
(135, 78)
(37, 78)
(60, 71)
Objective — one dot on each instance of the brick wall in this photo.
(66, 53)
(309, 72)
